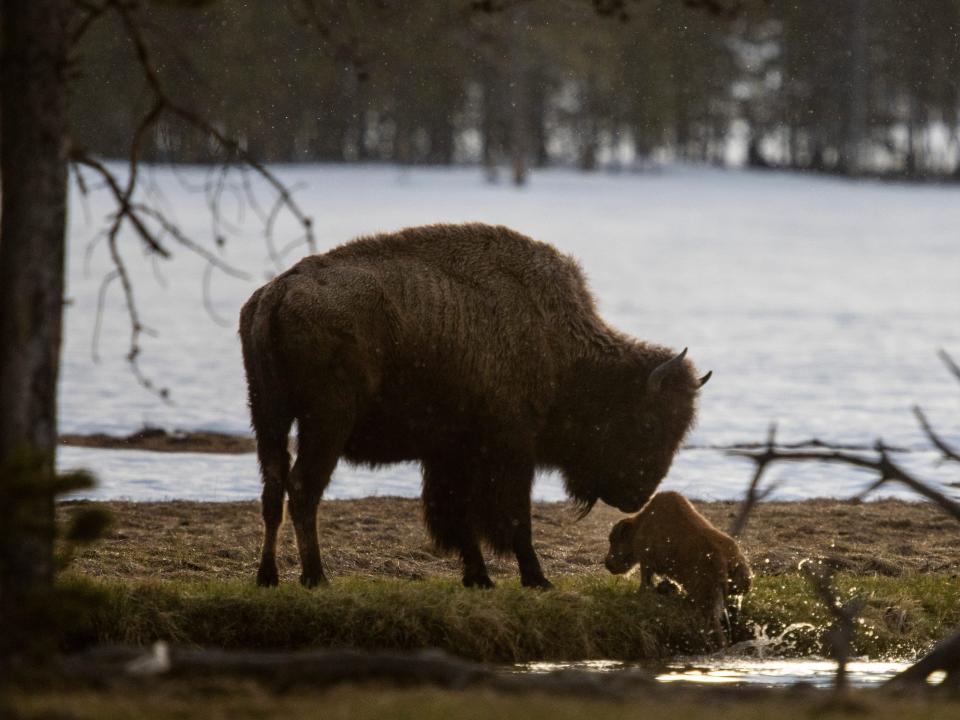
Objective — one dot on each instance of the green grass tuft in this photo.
(581, 618)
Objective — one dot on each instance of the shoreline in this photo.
(385, 537)
(184, 572)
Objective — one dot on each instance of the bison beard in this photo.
(469, 348)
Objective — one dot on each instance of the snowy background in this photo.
(818, 303)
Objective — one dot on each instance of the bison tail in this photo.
(271, 414)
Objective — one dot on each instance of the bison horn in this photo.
(662, 370)
(703, 380)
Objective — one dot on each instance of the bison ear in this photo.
(661, 371)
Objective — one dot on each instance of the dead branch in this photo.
(143, 217)
(945, 657)
(950, 363)
(753, 495)
(886, 468)
(325, 668)
(838, 638)
(127, 13)
(948, 452)
(810, 443)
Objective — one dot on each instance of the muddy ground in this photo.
(385, 537)
(160, 440)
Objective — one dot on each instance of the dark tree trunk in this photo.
(442, 132)
(33, 164)
(856, 92)
(490, 125)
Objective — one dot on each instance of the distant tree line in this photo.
(854, 87)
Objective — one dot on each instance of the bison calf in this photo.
(670, 538)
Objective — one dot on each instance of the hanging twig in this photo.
(950, 363)
(141, 216)
(948, 452)
(838, 637)
(753, 495)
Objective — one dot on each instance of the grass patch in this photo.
(581, 618)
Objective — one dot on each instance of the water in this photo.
(758, 661)
(818, 303)
(732, 670)
(700, 474)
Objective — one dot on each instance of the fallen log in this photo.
(325, 668)
(945, 657)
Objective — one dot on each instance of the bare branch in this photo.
(950, 363)
(884, 466)
(838, 638)
(98, 320)
(811, 443)
(177, 234)
(753, 496)
(208, 302)
(124, 209)
(152, 225)
(948, 452)
(945, 657)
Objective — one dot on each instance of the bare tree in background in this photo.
(36, 150)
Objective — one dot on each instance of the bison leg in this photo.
(446, 499)
(272, 506)
(531, 574)
(275, 466)
(317, 453)
(508, 520)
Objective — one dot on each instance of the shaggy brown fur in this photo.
(472, 349)
(670, 538)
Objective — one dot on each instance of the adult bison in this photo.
(472, 349)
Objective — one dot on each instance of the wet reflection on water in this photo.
(731, 670)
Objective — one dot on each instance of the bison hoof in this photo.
(540, 583)
(267, 577)
(312, 581)
(479, 581)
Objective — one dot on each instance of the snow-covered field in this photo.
(818, 304)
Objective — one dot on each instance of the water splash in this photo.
(763, 643)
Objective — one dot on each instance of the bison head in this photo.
(634, 415)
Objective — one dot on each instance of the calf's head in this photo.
(620, 557)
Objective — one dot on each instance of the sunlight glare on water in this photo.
(731, 670)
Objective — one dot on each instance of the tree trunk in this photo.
(33, 167)
(856, 95)
(519, 90)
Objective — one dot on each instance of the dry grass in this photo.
(184, 572)
(385, 537)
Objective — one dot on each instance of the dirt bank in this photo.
(384, 537)
(160, 440)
